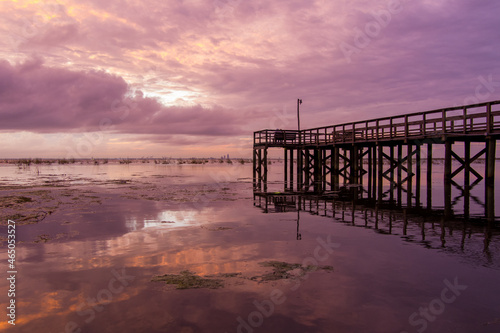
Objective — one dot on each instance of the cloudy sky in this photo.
(189, 78)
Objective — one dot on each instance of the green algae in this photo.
(283, 270)
(189, 280)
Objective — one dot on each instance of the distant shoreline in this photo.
(99, 161)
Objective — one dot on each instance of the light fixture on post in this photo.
(299, 101)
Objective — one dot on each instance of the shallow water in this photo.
(87, 262)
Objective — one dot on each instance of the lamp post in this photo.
(299, 101)
(299, 150)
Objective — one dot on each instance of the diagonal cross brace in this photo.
(463, 164)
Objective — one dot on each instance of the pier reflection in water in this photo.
(466, 196)
(475, 239)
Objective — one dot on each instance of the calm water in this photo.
(104, 232)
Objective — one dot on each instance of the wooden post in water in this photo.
(307, 174)
(418, 175)
(265, 169)
(359, 174)
(323, 156)
(354, 165)
(254, 162)
(336, 168)
(466, 179)
(391, 188)
(344, 166)
(490, 166)
(259, 162)
(400, 173)
(299, 169)
(447, 178)
(490, 178)
(429, 176)
(332, 169)
(259, 169)
(286, 169)
(318, 166)
(409, 175)
(380, 173)
(291, 169)
(370, 161)
(374, 172)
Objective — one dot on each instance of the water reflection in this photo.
(170, 218)
(476, 239)
(377, 281)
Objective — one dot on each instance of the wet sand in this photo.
(97, 244)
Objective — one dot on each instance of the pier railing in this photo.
(277, 137)
(469, 120)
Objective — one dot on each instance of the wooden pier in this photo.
(387, 153)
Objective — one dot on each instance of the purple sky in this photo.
(196, 78)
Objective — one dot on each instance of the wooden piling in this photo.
(318, 167)
(409, 174)
(254, 173)
(285, 162)
(336, 168)
(418, 174)
(429, 176)
(490, 178)
(380, 173)
(265, 169)
(467, 179)
(447, 178)
(400, 174)
(370, 175)
(374, 172)
(391, 188)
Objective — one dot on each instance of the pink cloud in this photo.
(37, 98)
(42, 99)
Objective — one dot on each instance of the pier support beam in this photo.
(254, 162)
(336, 168)
(260, 168)
(299, 170)
(429, 176)
(391, 180)
(264, 162)
(467, 179)
(285, 162)
(374, 172)
(353, 176)
(380, 173)
(418, 175)
(400, 173)
(291, 169)
(370, 170)
(447, 178)
(490, 178)
(409, 175)
(318, 167)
